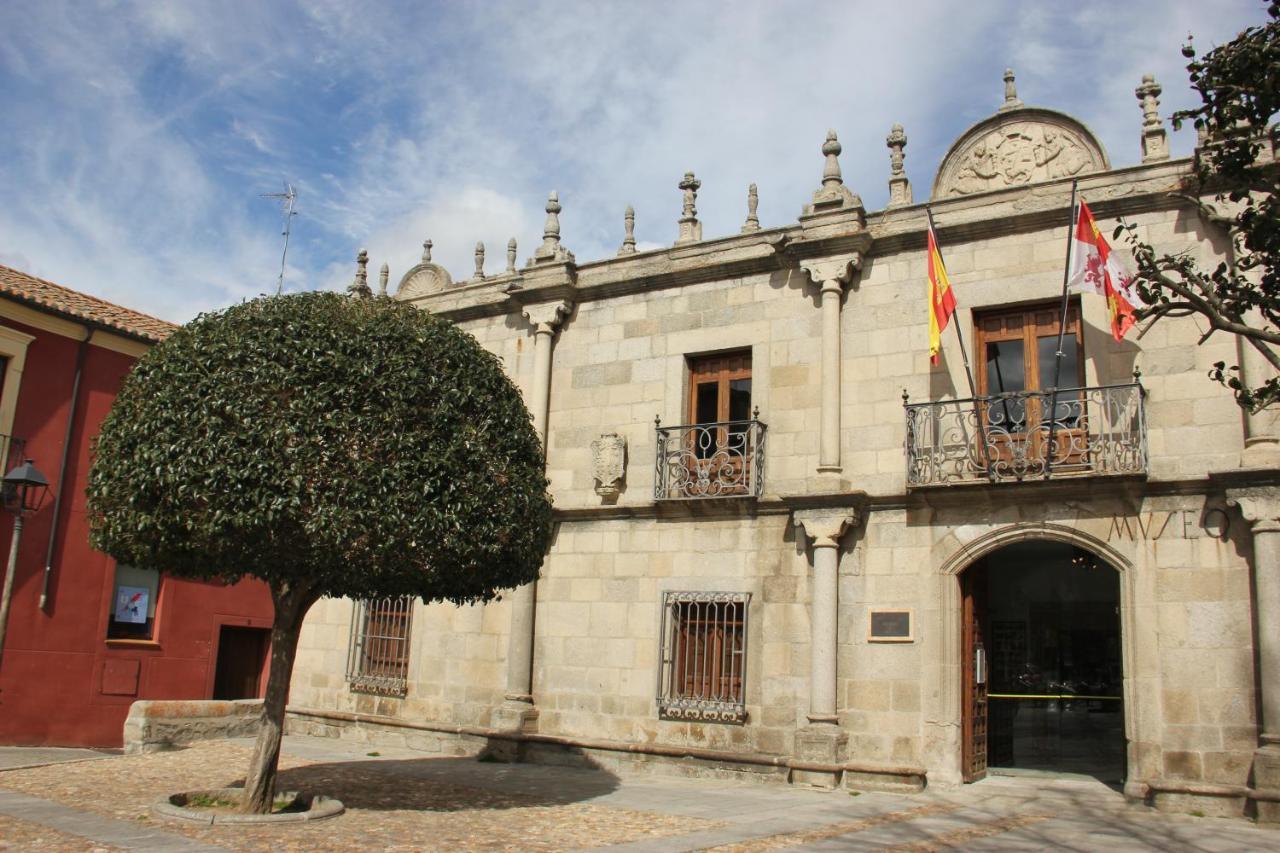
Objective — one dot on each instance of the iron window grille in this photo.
(378, 655)
(704, 657)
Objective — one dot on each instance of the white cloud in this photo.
(147, 131)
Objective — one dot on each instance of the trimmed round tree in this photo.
(329, 446)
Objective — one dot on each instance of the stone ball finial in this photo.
(384, 275)
(479, 260)
(832, 145)
(426, 251)
(511, 255)
(553, 202)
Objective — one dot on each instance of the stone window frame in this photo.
(378, 650)
(693, 685)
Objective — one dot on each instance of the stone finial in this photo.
(360, 284)
(384, 275)
(479, 276)
(1011, 101)
(831, 149)
(753, 202)
(899, 186)
(551, 250)
(629, 232)
(1155, 144)
(690, 227)
(426, 251)
(511, 255)
(833, 194)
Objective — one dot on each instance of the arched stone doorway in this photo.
(1042, 662)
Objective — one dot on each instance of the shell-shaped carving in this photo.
(423, 280)
(1018, 147)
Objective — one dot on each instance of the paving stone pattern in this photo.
(400, 800)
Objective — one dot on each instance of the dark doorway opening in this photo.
(242, 655)
(1042, 675)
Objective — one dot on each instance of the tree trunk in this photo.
(291, 607)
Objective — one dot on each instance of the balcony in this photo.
(715, 460)
(1093, 432)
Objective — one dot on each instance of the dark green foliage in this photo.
(1239, 88)
(337, 446)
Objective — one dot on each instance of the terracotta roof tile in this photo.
(46, 295)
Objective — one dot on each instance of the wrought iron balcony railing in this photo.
(1097, 431)
(719, 460)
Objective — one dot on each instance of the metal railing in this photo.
(378, 656)
(717, 460)
(704, 657)
(1097, 431)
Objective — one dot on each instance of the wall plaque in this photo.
(890, 626)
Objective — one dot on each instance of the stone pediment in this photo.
(423, 280)
(1022, 146)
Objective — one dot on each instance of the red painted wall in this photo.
(57, 661)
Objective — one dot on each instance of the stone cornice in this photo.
(1035, 207)
(982, 495)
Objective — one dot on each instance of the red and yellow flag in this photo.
(942, 301)
(1096, 269)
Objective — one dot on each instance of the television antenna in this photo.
(287, 200)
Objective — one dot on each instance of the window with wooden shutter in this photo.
(378, 658)
(704, 656)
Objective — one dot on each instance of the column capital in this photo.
(824, 527)
(833, 272)
(547, 316)
(1260, 507)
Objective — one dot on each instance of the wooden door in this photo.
(242, 653)
(973, 668)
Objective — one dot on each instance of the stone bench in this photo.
(155, 725)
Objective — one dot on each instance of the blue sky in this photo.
(139, 136)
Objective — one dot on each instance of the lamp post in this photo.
(22, 491)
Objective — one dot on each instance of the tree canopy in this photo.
(330, 446)
(355, 447)
(1239, 88)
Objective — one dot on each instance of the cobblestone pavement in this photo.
(400, 800)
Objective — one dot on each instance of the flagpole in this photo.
(1059, 355)
(964, 354)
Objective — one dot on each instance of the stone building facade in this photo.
(787, 545)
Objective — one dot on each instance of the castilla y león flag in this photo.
(1096, 269)
(942, 302)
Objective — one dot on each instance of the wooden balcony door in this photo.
(1017, 353)
(720, 391)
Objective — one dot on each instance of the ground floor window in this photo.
(704, 656)
(133, 604)
(378, 659)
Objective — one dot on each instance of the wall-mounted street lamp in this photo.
(22, 491)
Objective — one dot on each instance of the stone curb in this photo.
(321, 809)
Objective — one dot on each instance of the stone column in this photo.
(1260, 507)
(518, 711)
(831, 274)
(1261, 429)
(822, 741)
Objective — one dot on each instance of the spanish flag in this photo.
(942, 302)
